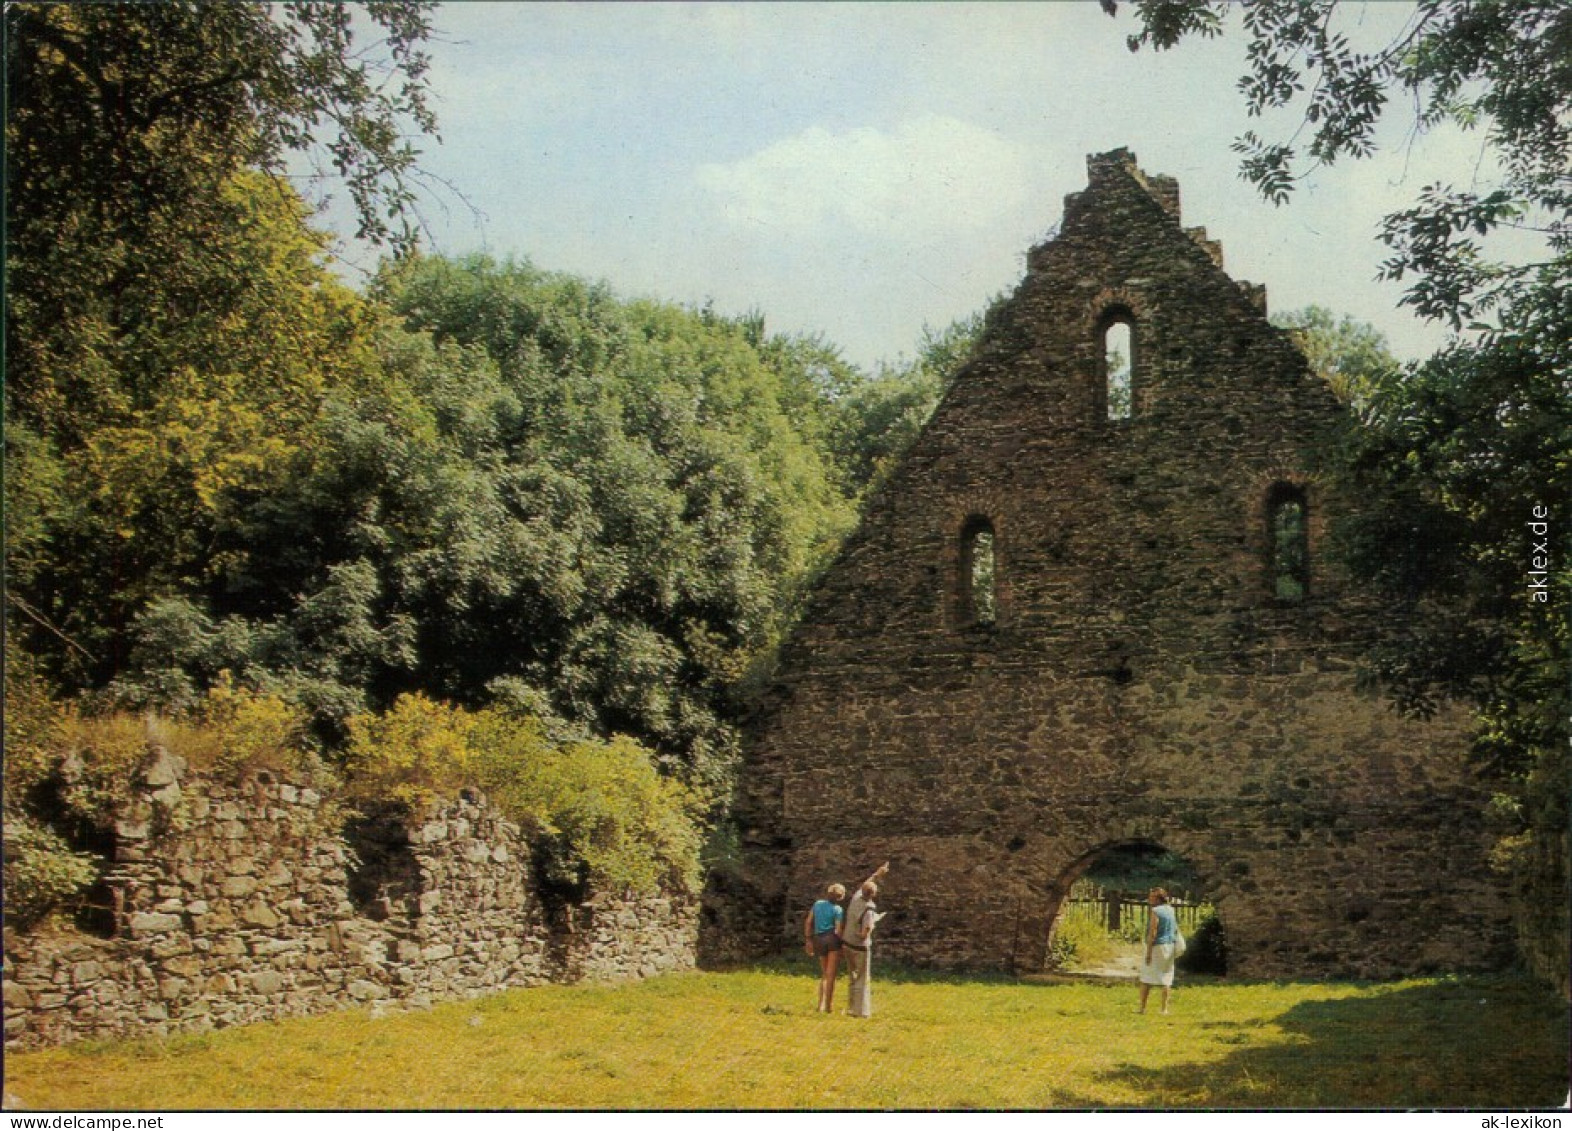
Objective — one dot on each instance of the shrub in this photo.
(1081, 941)
(1062, 950)
(415, 752)
(32, 722)
(42, 872)
(605, 804)
(234, 729)
(97, 758)
(596, 811)
(1206, 951)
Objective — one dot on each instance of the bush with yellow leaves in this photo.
(598, 812)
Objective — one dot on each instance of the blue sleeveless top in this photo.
(825, 916)
(1167, 924)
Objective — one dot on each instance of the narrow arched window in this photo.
(1118, 346)
(1288, 542)
(979, 572)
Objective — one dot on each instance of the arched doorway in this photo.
(1099, 911)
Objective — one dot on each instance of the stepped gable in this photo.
(1090, 610)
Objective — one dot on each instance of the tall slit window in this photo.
(979, 572)
(1289, 542)
(1119, 365)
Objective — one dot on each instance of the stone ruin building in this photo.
(1096, 608)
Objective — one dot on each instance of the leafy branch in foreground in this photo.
(1497, 66)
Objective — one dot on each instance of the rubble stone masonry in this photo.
(1137, 673)
(240, 903)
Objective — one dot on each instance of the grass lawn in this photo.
(751, 1039)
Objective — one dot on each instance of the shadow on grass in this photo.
(1464, 1042)
(1459, 1042)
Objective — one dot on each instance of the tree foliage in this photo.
(169, 329)
(127, 450)
(1352, 357)
(1500, 66)
(125, 116)
(1466, 466)
(484, 483)
(878, 419)
(598, 510)
(261, 509)
(660, 471)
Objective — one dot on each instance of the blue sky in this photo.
(863, 170)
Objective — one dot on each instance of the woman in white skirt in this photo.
(1162, 938)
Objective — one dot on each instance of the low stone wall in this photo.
(236, 903)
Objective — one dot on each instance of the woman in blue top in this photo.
(1162, 937)
(821, 931)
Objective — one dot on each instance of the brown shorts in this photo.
(826, 942)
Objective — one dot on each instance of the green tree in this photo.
(591, 509)
(1468, 465)
(670, 443)
(1500, 66)
(168, 323)
(816, 383)
(879, 418)
(1351, 356)
(127, 127)
(116, 499)
(125, 114)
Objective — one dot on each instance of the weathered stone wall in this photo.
(240, 903)
(1142, 681)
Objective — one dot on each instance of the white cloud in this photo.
(932, 174)
(711, 151)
